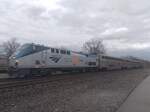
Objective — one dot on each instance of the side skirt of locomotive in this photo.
(30, 72)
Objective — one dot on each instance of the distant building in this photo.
(3, 59)
(2, 51)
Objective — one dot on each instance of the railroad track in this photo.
(23, 82)
(10, 83)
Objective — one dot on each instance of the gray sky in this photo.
(124, 25)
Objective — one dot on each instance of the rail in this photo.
(10, 83)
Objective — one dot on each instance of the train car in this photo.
(113, 63)
(32, 59)
(109, 63)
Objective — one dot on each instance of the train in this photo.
(32, 59)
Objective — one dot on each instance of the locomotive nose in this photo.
(13, 62)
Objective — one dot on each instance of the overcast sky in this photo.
(124, 25)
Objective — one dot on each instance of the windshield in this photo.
(28, 49)
(24, 50)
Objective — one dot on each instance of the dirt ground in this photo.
(87, 92)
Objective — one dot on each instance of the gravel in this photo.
(88, 92)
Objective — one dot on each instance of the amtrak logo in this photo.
(55, 59)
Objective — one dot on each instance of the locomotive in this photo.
(32, 59)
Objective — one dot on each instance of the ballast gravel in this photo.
(80, 92)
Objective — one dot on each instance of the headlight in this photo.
(16, 63)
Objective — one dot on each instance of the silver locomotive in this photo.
(33, 59)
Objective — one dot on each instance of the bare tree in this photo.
(10, 46)
(94, 46)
